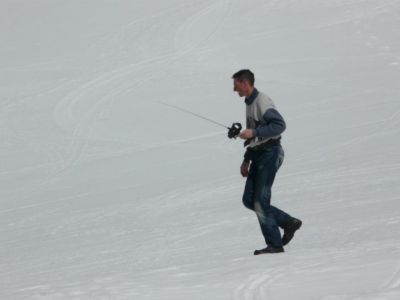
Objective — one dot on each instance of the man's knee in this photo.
(248, 202)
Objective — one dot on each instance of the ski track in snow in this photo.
(254, 287)
(394, 281)
(86, 215)
(65, 112)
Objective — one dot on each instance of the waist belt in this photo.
(266, 145)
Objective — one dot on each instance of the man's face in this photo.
(240, 87)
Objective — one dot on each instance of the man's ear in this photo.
(247, 85)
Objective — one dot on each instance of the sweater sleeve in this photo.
(275, 124)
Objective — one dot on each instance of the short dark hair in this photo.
(244, 75)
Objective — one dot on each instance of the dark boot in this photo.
(269, 250)
(289, 230)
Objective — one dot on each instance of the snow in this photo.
(107, 194)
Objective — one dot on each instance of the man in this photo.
(264, 126)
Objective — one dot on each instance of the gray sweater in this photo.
(262, 116)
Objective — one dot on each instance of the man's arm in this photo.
(275, 125)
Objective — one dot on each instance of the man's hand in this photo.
(244, 168)
(246, 134)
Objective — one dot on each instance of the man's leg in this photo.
(282, 218)
(269, 226)
(248, 194)
(269, 217)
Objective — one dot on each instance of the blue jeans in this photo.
(257, 193)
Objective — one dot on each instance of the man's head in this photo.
(243, 82)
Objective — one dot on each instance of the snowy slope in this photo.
(106, 193)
